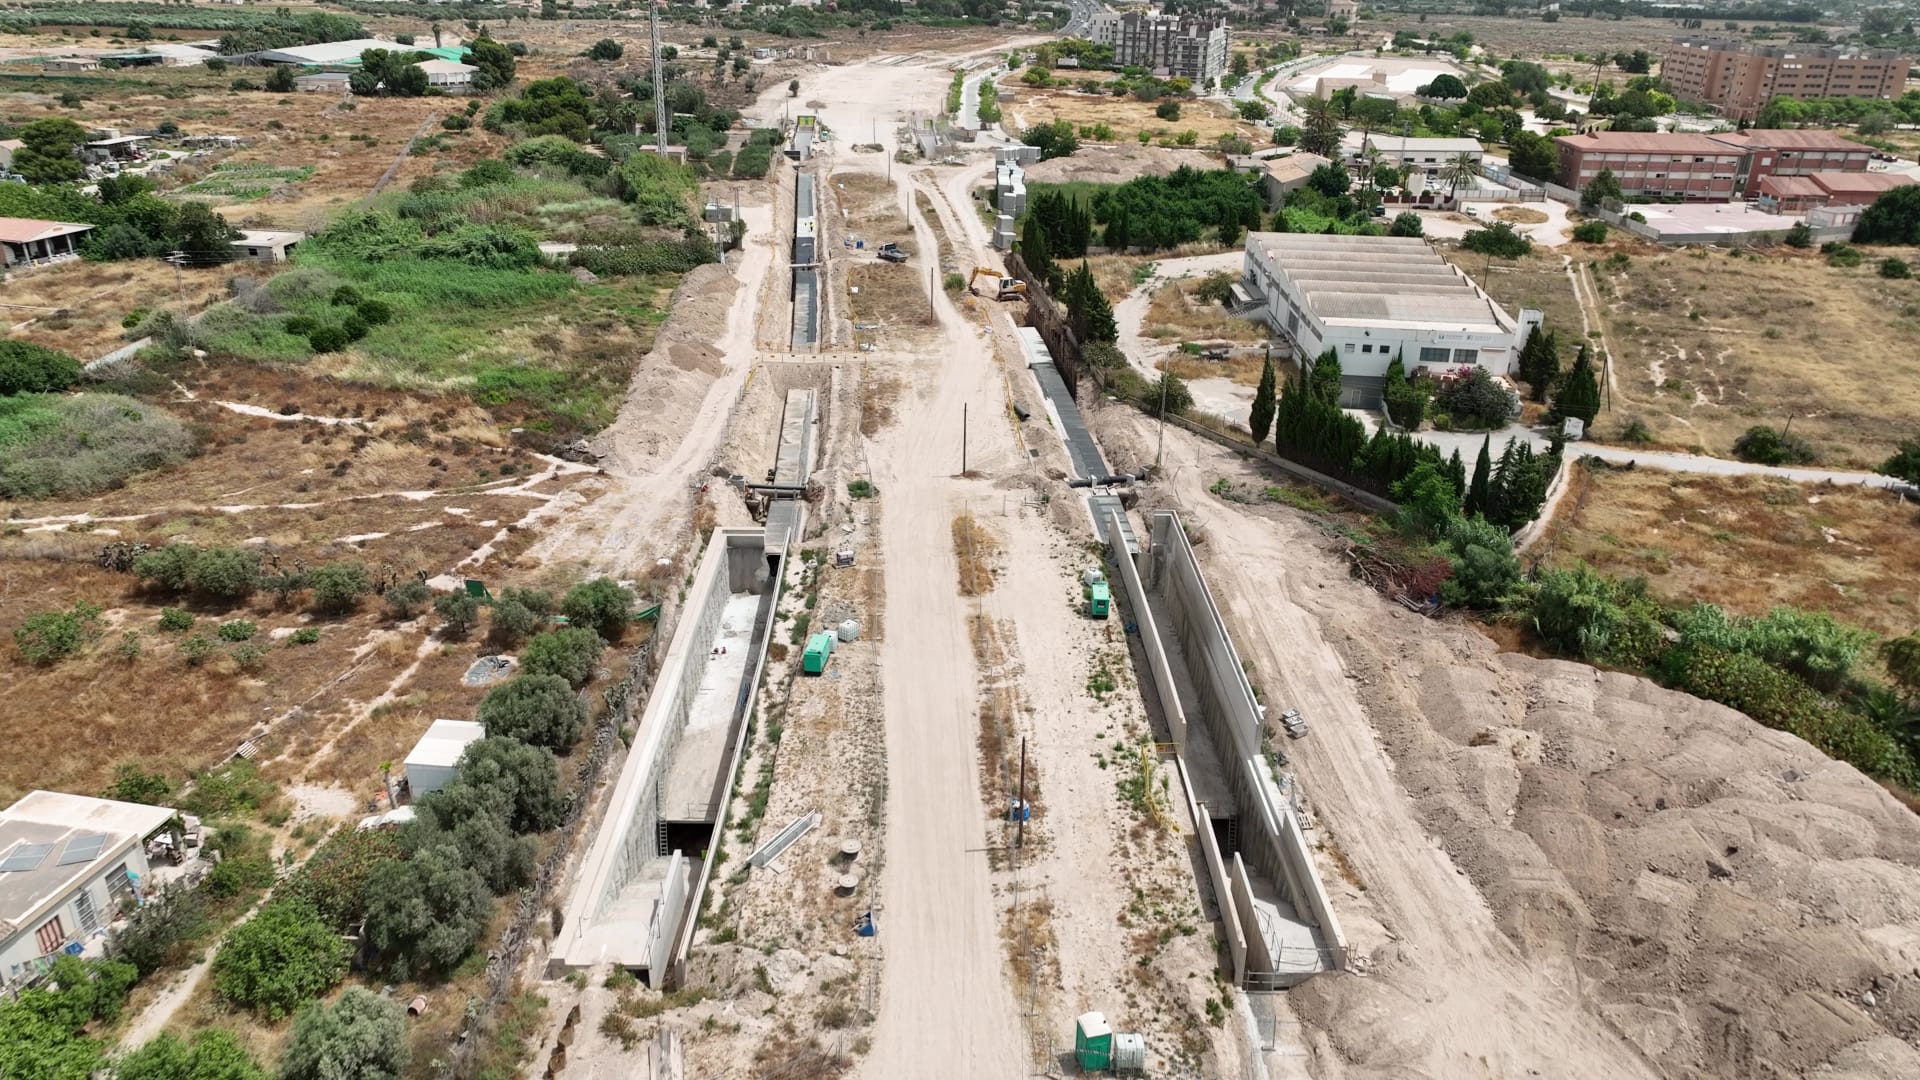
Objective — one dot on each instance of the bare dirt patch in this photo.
(1116, 164)
(885, 297)
(1176, 314)
(1127, 116)
(1749, 543)
(1519, 215)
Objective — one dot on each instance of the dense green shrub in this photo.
(407, 598)
(212, 1055)
(1591, 232)
(362, 1035)
(525, 781)
(425, 913)
(26, 368)
(159, 931)
(51, 636)
(82, 444)
(278, 960)
(602, 605)
(338, 587)
(237, 630)
(334, 880)
(571, 653)
(1474, 398)
(518, 614)
(541, 710)
(1498, 240)
(1765, 446)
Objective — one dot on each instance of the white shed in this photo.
(448, 73)
(433, 762)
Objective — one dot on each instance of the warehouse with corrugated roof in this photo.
(1372, 297)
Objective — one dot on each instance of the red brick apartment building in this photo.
(1650, 164)
(1773, 152)
(1704, 168)
(1738, 78)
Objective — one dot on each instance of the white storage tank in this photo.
(849, 631)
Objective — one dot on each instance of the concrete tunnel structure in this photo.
(638, 891)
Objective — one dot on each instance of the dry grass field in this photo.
(1707, 345)
(1749, 543)
(1175, 314)
(1024, 106)
(1530, 38)
(77, 307)
(421, 490)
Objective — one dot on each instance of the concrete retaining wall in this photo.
(734, 562)
(1160, 672)
(1223, 894)
(1235, 723)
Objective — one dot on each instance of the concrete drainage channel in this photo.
(1273, 907)
(806, 263)
(639, 887)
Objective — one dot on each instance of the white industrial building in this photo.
(434, 761)
(332, 52)
(1370, 297)
(69, 866)
(1428, 155)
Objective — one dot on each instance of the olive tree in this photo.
(541, 710)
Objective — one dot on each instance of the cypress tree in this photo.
(1499, 499)
(1323, 381)
(1119, 235)
(1092, 315)
(1580, 393)
(1033, 247)
(1260, 421)
(1545, 366)
(1457, 472)
(1482, 479)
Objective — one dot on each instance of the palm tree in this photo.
(1369, 162)
(1321, 132)
(1459, 169)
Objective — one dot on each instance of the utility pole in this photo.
(1159, 451)
(176, 258)
(963, 438)
(661, 119)
(1020, 817)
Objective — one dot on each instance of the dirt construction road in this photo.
(946, 1009)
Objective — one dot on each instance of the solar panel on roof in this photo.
(26, 857)
(82, 849)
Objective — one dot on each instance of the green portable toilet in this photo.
(819, 647)
(1093, 1042)
(1097, 600)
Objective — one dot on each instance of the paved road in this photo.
(1469, 445)
(1080, 25)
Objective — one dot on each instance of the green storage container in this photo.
(1093, 1042)
(1098, 599)
(819, 647)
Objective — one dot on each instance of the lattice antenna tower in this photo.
(661, 118)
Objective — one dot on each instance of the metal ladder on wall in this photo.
(1233, 835)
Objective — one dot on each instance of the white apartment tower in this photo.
(1167, 45)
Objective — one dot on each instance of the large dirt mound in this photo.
(1733, 902)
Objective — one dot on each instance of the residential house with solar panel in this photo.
(69, 866)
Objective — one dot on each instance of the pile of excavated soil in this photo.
(669, 384)
(1731, 901)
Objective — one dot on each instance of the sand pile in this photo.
(670, 382)
(1731, 901)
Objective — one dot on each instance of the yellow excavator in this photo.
(998, 287)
